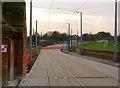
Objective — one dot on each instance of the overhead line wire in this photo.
(50, 14)
(75, 12)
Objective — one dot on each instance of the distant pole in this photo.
(77, 37)
(36, 40)
(41, 39)
(33, 36)
(115, 36)
(71, 37)
(33, 31)
(81, 32)
(68, 37)
(80, 28)
(30, 41)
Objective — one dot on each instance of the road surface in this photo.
(55, 68)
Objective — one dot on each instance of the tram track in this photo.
(65, 68)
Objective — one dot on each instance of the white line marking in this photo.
(55, 77)
(75, 78)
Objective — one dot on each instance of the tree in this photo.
(56, 36)
(98, 36)
(104, 35)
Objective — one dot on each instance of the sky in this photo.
(53, 15)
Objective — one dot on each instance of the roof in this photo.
(13, 16)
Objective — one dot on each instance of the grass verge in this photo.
(96, 46)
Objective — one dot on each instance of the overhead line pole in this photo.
(71, 37)
(68, 37)
(81, 32)
(77, 37)
(36, 40)
(80, 29)
(41, 38)
(115, 36)
(33, 36)
(30, 41)
(33, 31)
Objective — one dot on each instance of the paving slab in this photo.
(55, 68)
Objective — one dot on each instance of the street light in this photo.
(80, 28)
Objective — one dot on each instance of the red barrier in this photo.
(28, 59)
(33, 54)
(49, 47)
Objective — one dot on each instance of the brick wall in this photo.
(20, 59)
(24, 46)
(0, 63)
(14, 62)
(5, 60)
(11, 61)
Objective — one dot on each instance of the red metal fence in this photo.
(100, 54)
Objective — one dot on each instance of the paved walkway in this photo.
(54, 68)
(108, 62)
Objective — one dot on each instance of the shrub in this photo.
(73, 49)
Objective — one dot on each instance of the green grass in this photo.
(97, 46)
(73, 49)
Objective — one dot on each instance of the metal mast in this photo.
(30, 41)
(115, 36)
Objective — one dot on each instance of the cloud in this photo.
(94, 19)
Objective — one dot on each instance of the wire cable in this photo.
(75, 12)
(50, 13)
